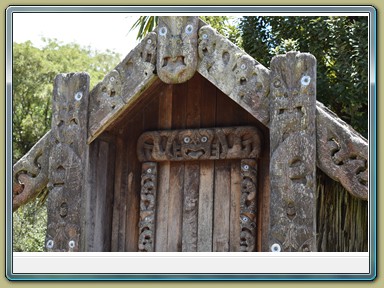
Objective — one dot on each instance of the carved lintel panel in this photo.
(342, 153)
(30, 173)
(177, 48)
(293, 153)
(234, 72)
(199, 144)
(147, 207)
(248, 205)
(67, 161)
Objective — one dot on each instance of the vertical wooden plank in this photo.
(234, 237)
(205, 220)
(164, 122)
(221, 207)
(191, 171)
(207, 168)
(133, 179)
(67, 161)
(117, 202)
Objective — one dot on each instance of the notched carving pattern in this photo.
(342, 152)
(293, 152)
(30, 173)
(234, 72)
(248, 205)
(147, 207)
(199, 144)
(66, 161)
(120, 85)
(177, 48)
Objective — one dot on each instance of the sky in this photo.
(99, 31)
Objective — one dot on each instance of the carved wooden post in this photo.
(148, 207)
(293, 153)
(67, 161)
(248, 205)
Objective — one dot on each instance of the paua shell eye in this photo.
(277, 83)
(163, 31)
(187, 140)
(305, 80)
(245, 219)
(204, 139)
(189, 29)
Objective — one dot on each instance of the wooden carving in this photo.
(111, 96)
(67, 161)
(293, 152)
(199, 144)
(234, 72)
(342, 153)
(248, 205)
(30, 173)
(177, 48)
(147, 207)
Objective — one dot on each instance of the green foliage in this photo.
(34, 70)
(29, 228)
(340, 45)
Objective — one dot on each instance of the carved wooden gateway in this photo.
(189, 144)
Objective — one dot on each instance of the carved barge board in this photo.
(293, 153)
(67, 161)
(342, 153)
(122, 86)
(234, 72)
(30, 173)
(199, 144)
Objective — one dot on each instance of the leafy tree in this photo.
(340, 45)
(34, 70)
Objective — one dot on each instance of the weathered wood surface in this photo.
(293, 153)
(199, 144)
(121, 87)
(148, 207)
(30, 173)
(248, 205)
(234, 72)
(97, 201)
(177, 48)
(67, 161)
(342, 153)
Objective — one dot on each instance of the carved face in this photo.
(177, 48)
(195, 144)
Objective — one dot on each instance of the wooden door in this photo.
(209, 177)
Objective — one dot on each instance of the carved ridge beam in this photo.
(199, 144)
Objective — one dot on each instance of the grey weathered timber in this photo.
(67, 161)
(177, 48)
(121, 87)
(234, 72)
(248, 208)
(199, 144)
(147, 207)
(293, 153)
(342, 153)
(30, 173)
